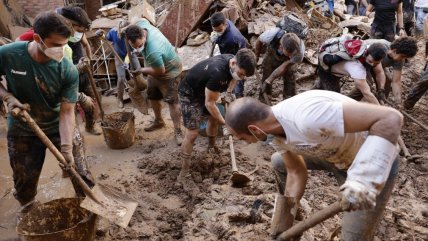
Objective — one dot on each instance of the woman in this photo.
(384, 23)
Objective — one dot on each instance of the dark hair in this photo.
(407, 46)
(217, 19)
(47, 23)
(245, 111)
(77, 15)
(290, 42)
(377, 51)
(134, 32)
(246, 60)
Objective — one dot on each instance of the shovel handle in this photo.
(232, 154)
(313, 220)
(42, 136)
(94, 89)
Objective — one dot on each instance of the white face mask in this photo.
(252, 133)
(76, 38)
(220, 33)
(235, 76)
(55, 53)
(139, 50)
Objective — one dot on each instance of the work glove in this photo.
(229, 97)
(358, 195)
(381, 94)
(81, 66)
(213, 37)
(265, 87)
(13, 103)
(67, 152)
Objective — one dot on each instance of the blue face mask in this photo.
(76, 37)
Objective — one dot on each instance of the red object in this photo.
(353, 46)
(27, 36)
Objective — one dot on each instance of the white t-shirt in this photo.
(314, 126)
(353, 68)
(421, 4)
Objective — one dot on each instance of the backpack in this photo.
(345, 47)
(292, 24)
(289, 24)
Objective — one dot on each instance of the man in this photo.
(163, 66)
(385, 20)
(409, 16)
(325, 130)
(421, 16)
(418, 90)
(354, 68)
(283, 52)
(199, 92)
(38, 74)
(115, 36)
(397, 52)
(229, 41)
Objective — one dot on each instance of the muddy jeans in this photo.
(121, 78)
(381, 31)
(27, 155)
(417, 91)
(89, 110)
(328, 81)
(356, 225)
(271, 61)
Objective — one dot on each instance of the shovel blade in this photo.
(114, 206)
(138, 100)
(239, 179)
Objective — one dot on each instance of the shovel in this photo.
(101, 200)
(313, 220)
(238, 179)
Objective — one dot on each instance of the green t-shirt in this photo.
(159, 52)
(43, 86)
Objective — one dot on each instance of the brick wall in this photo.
(34, 7)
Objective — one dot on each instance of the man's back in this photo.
(232, 40)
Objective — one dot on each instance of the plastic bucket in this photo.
(119, 129)
(61, 219)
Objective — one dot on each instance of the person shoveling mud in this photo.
(28, 67)
(326, 131)
(199, 91)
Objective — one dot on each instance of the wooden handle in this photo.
(42, 136)
(232, 154)
(313, 220)
(94, 89)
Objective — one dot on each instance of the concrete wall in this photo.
(33, 7)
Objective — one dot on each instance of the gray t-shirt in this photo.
(268, 36)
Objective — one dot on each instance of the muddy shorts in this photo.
(163, 89)
(192, 109)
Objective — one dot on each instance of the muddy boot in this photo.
(185, 168)
(212, 148)
(285, 210)
(120, 103)
(157, 124)
(178, 136)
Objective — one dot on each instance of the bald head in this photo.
(244, 112)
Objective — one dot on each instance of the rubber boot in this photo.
(285, 210)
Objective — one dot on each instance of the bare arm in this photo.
(380, 76)
(3, 91)
(369, 10)
(396, 86)
(297, 175)
(364, 88)
(66, 123)
(87, 47)
(278, 72)
(364, 2)
(153, 71)
(211, 98)
(400, 20)
(379, 120)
